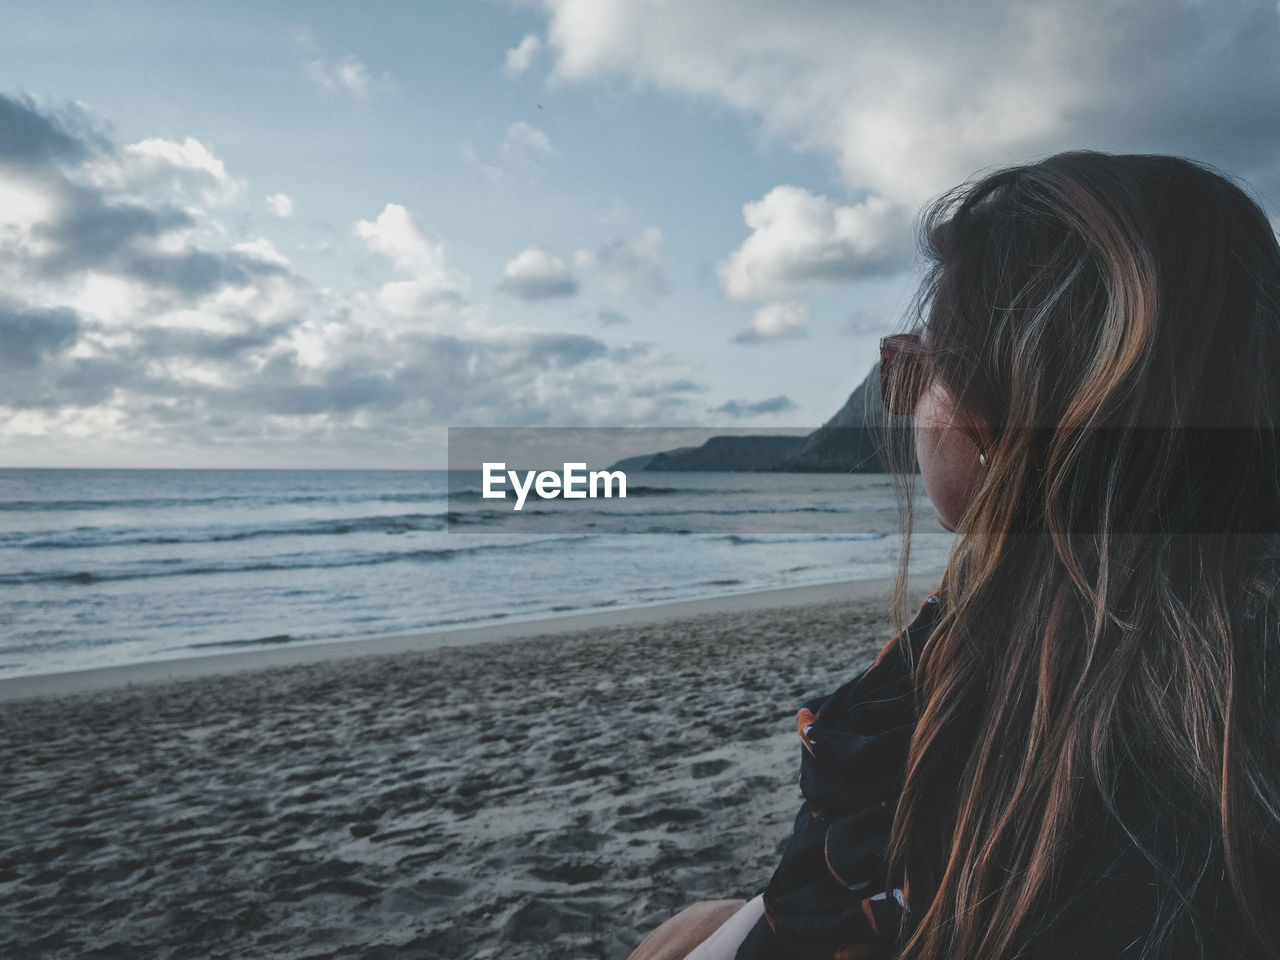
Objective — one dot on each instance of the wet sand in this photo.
(553, 795)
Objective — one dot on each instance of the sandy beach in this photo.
(547, 789)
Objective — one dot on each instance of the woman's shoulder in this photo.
(828, 893)
(856, 739)
(889, 677)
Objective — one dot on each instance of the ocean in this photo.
(109, 567)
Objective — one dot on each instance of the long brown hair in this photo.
(1106, 670)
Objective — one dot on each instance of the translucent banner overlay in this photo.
(698, 480)
(1144, 481)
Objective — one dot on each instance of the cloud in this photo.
(778, 404)
(134, 212)
(280, 205)
(608, 317)
(262, 250)
(777, 321)
(398, 236)
(181, 169)
(799, 240)
(523, 143)
(522, 148)
(23, 205)
(521, 56)
(536, 273)
(563, 349)
(30, 334)
(348, 73)
(415, 251)
(631, 264)
(92, 230)
(674, 386)
(136, 324)
(149, 244)
(492, 172)
(35, 139)
(911, 100)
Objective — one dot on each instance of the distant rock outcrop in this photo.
(730, 454)
(847, 443)
(641, 462)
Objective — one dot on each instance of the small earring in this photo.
(982, 459)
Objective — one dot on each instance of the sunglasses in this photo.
(902, 376)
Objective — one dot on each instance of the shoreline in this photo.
(94, 679)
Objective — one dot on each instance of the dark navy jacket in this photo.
(827, 898)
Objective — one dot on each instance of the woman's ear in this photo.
(979, 431)
(983, 440)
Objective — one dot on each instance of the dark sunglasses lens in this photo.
(899, 379)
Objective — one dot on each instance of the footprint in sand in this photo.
(709, 768)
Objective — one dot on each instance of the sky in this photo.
(319, 234)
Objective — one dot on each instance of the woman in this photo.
(1092, 763)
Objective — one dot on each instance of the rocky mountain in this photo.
(731, 453)
(847, 443)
